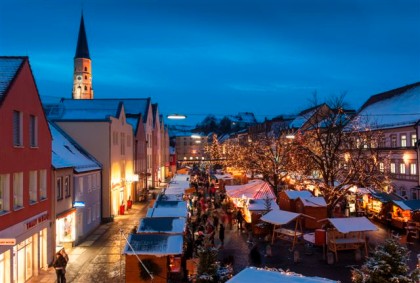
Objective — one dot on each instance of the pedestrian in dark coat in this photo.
(255, 256)
(222, 234)
(59, 265)
(239, 218)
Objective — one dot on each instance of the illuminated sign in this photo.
(79, 204)
(7, 242)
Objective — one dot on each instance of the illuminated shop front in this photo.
(66, 227)
(26, 250)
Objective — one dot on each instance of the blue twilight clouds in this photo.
(220, 56)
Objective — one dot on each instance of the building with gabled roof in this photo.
(76, 180)
(25, 173)
(396, 115)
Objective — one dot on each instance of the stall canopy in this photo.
(352, 224)
(154, 244)
(170, 225)
(280, 217)
(408, 204)
(261, 205)
(252, 275)
(255, 189)
(178, 184)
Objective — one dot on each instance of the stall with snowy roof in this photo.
(377, 204)
(241, 195)
(312, 206)
(348, 234)
(169, 225)
(167, 212)
(222, 180)
(256, 208)
(254, 274)
(150, 254)
(287, 198)
(401, 212)
(281, 218)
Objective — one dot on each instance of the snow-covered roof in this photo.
(396, 107)
(162, 203)
(167, 212)
(223, 176)
(154, 244)
(255, 189)
(85, 109)
(178, 184)
(253, 274)
(352, 224)
(8, 70)
(408, 204)
(292, 194)
(170, 225)
(260, 205)
(314, 201)
(280, 217)
(67, 153)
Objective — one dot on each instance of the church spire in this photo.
(82, 76)
(82, 49)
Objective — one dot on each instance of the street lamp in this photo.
(176, 116)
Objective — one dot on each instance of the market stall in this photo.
(348, 234)
(280, 218)
(287, 199)
(312, 206)
(253, 211)
(255, 189)
(401, 212)
(253, 274)
(169, 225)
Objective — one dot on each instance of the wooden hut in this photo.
(160, 253)
(401, 212)
(312, 206)
(287, 199)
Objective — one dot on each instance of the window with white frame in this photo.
(393, 140)
(381, 167)
(33, 131)
(4, 192)
(17, 128)
(413, 169)
(402, 168)
(67, 186)
(413, 139)
(43, 184)
(59, 188)
(18, 190)
(403, 140)
(392, 168)
(33, 186)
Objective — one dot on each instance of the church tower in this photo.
(82, 76)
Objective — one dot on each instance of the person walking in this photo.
(222, 235)
(239, 218)
(59, 265)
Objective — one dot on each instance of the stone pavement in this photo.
(98, 258)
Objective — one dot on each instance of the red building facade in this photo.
(25, 174)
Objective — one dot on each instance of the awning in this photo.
(280, 217)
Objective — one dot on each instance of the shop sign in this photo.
(79, 204)
(32, 223)
(7, 242)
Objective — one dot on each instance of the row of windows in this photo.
(403, 140)
(18, 129)
(402, 168)
(90, 182)
(37, 189)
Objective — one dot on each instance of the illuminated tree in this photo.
(340, 151)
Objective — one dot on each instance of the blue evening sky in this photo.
(200, 57)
